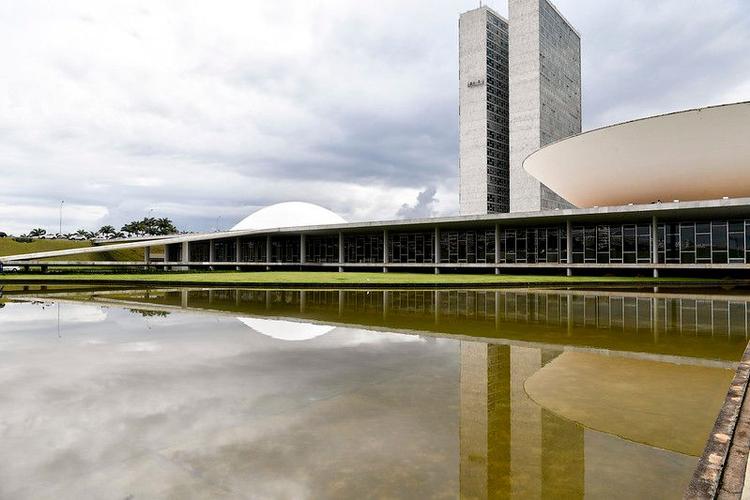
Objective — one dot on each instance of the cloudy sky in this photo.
(205, 111)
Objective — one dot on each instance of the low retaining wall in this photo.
(721, 468)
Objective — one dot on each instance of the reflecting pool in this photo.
(239, 393)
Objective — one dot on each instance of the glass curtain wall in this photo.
(225, 250)
(533, 245)
(612, 244)
(322, 249)
(363, 248)
(253, 249)
(713, 242)
(411, 247)
(476, 246)
(285, 249)
(200, 251)
(174, 252)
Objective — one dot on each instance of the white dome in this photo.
(288, 214)
(286, 330)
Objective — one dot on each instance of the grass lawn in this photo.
(9, 246)
(328, 278)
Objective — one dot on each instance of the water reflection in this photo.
(658, 323)
(273, 394)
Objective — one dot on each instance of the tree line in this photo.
(148, 226)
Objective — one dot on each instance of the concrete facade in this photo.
(545, 94)
(483, 113)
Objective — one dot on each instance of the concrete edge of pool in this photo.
(721, 469)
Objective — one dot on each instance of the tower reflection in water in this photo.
(509, 445)
(561, 393)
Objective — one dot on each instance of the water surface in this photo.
(231, 393)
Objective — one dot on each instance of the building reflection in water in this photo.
(509, 444)
(487, 313)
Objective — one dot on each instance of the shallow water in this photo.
(354, 394)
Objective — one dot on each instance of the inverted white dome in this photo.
(286, 330)
(288, 214)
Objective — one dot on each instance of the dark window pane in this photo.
(703, 247)
(687, 237)
(737, 246)
(629, 239)
(719, 237)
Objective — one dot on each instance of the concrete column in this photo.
(654, 245)
(184, 256)
(497, 248)
(268, 252)
(237, 253)
(212, 251)
(437, 250)
(302, 248)
(341, 252)
(385, 250)
(569, 245)
(147, 256)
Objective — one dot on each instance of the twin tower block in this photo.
(520, 89)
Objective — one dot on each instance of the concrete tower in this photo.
(483, 113)
(545, 94)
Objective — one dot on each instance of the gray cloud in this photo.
(425, 206)
(199, 111)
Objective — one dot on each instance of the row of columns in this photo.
(185, 257)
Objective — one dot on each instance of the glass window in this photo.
(687, 237)
(615, 243)
(590, 250)
(737, 247)
(602, 244)
(719, 236)
(644, 243)
(702, 247)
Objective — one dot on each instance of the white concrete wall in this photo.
(545, 94)
(524, 81)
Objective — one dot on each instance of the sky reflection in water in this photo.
(256, 394)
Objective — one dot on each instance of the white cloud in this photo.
(200, 110)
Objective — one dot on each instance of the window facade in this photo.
(253, 249)
(285, 249)
(174, 252)
(199, 251)
(411, 248)
(322, 249)
(706, 242)
(498, 152)
(363, 248)
(540, 245)
(611, 244)
(467, 247)
(225, 250)
(677, 242)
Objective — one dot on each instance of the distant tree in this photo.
(3, 235)
(37, 232)
(85, 234)
(107, 232)
(149, 226)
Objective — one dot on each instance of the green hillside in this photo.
(8, 246)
